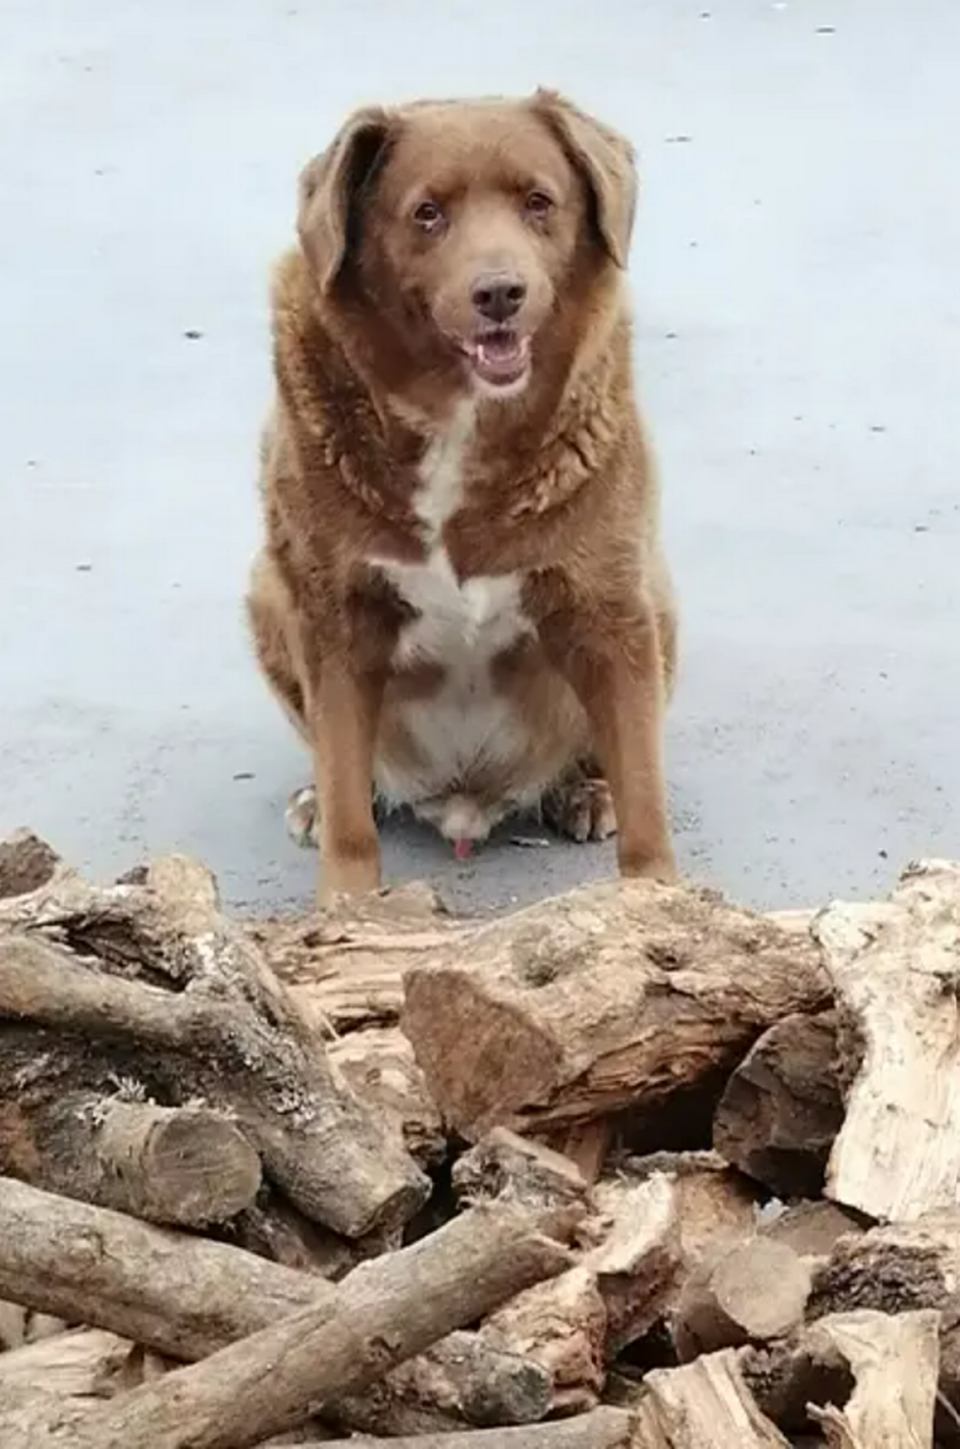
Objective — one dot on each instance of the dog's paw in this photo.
(302, 818)
(582, 809)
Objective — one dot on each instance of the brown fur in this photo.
(371, 319)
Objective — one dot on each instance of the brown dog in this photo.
(462, 601)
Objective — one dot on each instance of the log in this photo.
(615, 995)
(703, 1404)
(26, 863)
(344, 965)
(115, 965)
(181, 1295)
(716, 1208)
(901, 1268)
(781, 1109)
(187, 1297)
(517, 1169)
(70, 1123)
(268, 1382)
(811, 1229)
(274, 1229)
(379, 1065)
(82, 1364)
(869, 1380)
(753, 1293)
(461, 1379)
(602, 1429)
(573, 1324)
(894, 969)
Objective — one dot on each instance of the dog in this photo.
(462, 601)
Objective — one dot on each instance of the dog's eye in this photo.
(539, 203)
(428, 216)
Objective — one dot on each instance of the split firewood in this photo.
(896, 1269)
(81, 1364)
(518, 1169)
(894, 967)
(781, 1109)
(716, 1208)
(70, 1123)
(868, 1379)
(344, 965)
(604, 1428)
(704, 1405)
(615, 995)
(153, 971)
(186, 1297)
(272, 1380)
(755, 1292)
(574, 1324)
(380, 1067)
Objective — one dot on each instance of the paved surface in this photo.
(796, 276)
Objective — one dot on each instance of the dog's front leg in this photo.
(616, 670)
(345, 714)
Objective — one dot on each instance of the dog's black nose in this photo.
(498, 295)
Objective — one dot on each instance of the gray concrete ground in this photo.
(799, 343)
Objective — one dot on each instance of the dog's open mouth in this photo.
(499, 357)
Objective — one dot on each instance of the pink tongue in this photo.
(462, 849)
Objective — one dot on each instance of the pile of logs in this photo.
(631, 1167)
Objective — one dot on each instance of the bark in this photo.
(782, 1109)
(868, 1379)
(387, 1313)
(894, 966)
(151, 970)
(517, 1169)
(612, 996)
(755, 1292)
(602, 1429)
(71, 1124)
(703, 1404)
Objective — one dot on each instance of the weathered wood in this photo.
(716, 1208)
(575, 1323)
(811, 1229)
(868, 1379)
(272, 1227)
(26, 863)
(114, 964)
(82, 1364)
(463, 1378)
(518, 1169)
(188, 1297)
(70, 1123)
(898, 1269)
(602, 1429)
(781, 1109)
(895, 967)
(268, 1382)
(614, 995)
(182, 1295)
(755, 1292)
(380, 1067)
(704, 1405)
(344, 965)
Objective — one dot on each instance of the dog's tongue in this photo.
(462, 849)
(501, 357)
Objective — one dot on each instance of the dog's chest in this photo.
(461, 625)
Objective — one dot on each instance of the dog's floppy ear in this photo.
(607, 161)
(330, 188)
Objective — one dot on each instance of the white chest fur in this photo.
(461, 626)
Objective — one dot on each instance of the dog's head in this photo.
(466, 224)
